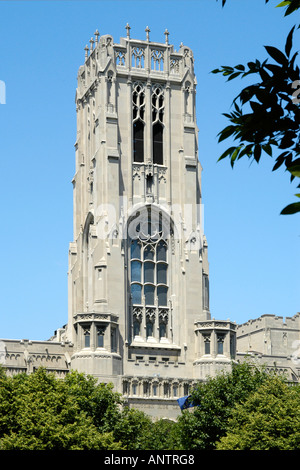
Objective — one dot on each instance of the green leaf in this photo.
(252, 66)
(240, 67)
(226, 153)
(294, 170)
(277, 55)
(234, 156)
(274, 68)
(227, 68)
(225, 133)
(291, 209)
(234, 75)
(283, 4)
(289, 42)
(246, 151)
(268, 149)
(257, 153)
(247, 93)
(256, 107)
(294, 5)
(264, 75)
(280, 160)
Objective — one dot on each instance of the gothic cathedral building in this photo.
(138, 269)
(138, 274)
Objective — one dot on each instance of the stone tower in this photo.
(138, 270)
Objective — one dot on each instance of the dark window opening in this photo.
(158, 144)
(136, 328)
(138, 141)
(113, 339)
(220, 341)
(162, 330)
(149, 183)
(149, 328)
(100, 342)
(207, 345)
(86, 339)
(205, 292)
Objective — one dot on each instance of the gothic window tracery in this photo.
(138, 119)
(100, 336)
(220, 343)
(138, 100)
(87, 336)
(138, 57)
(174, 66)
(157, 60)
(148, 271)
(148, 258)
(163, 322)
(120, 58)
(157, 123)
(206, 344)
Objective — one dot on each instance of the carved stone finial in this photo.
(147, 32)
(86, 51)
(92, 44)
(128, 30)
(97, 34)
(166, 33)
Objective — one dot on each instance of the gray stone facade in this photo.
(273, 341)
(138, 264)
(25, 356)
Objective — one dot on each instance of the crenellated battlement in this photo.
(273, 338)
(269, 321)
(26, 356)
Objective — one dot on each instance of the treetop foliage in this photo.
(291, 5)
(214, 401)
(268, 420)
(266, 114)
(41, 412)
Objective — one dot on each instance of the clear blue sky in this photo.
(253, 251)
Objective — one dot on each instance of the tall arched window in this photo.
(138, 113)
(148, 262)
(148, 272)
(157, 124)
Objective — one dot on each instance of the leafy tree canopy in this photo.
(99, 401)
(214, 401)
(39, 412)
(269, 419)
(266, 114)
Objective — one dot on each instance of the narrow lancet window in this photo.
(138, 141)
(138, 111)
(157, 124)
(158, 143)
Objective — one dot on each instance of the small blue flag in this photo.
(185, 402)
